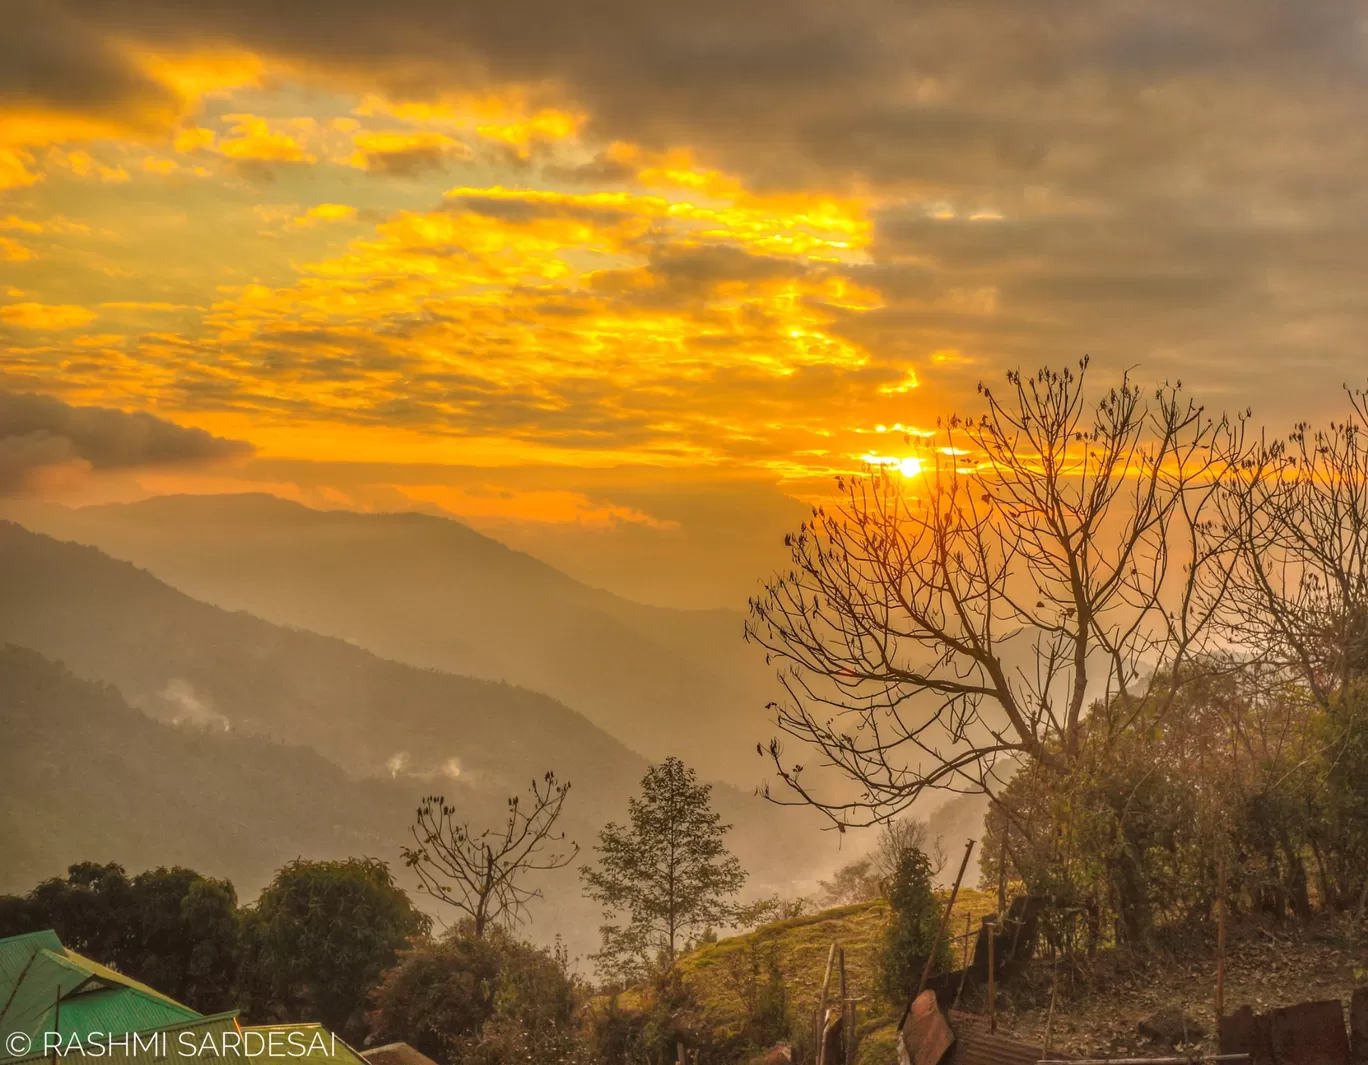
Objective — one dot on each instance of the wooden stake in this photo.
(1002, 869)
(964, 972)
(819, 1026)
(846, 1057)
(992, 975)
(1054, 988)
(1220, 937)
(940, 933)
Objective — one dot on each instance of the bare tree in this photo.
(483, 875)
(1052, 554)
(1298, 509)
(899, 836)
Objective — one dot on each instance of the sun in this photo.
(910, 466)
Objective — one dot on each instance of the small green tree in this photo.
(669, 872)
(320, 937)
(913, 923)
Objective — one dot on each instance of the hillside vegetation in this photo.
(717, 973)
(89, 777)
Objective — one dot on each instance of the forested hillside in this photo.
(185, 661)
(87, 777)
(434, 592)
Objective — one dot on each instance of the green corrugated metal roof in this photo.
(162, 1045)
(46, 988)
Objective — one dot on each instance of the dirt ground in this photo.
(1100, 1004)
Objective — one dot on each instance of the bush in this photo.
(488, 999)
(171, 928)
(769, 1023)
(913, 923)
(650, 1037)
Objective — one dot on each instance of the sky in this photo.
(626, 283)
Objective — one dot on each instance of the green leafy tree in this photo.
(668, 872)
(171, 928)
(913, 923)
(439, 996)
(488, 999)
(320, 937)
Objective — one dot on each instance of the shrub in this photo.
(913, 923)
(487, 999)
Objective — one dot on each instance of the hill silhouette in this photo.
(433, 592)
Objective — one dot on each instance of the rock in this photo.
(1170, 1027)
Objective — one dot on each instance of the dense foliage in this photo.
(319, 939)
(488, 999)
(912, 926)
(1247, 778)
(173, 929)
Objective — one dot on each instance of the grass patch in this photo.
(717, 973)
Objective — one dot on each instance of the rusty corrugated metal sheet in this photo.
(981, 1048)
(1310, 1034)
(926, 1033)
(396, 1054)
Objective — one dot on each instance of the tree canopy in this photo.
(319, 938)
(667, 872)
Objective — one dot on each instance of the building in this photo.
(56, 1003)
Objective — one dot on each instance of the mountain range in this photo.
(435, 593)
(370, 734)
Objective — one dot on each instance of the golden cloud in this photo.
(402, 151)
(14, 252)
(46, 316)
(253, 138)
(324, 212)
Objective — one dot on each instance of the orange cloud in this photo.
(324, 212)
(546, 506)
(14, 252)
(400, 151)
(252, 138)
(15, 167)
(83, 165)
(46, 316)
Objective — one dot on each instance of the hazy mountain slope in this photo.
(86, 777)
(433, 592)
(176, 658)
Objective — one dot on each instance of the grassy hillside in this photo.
(435, 593)
(715, 971)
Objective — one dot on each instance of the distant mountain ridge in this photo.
(434, 592)
(176, 658)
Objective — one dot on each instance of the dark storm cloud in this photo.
(873, 78)
(56, 58)
(40, 431)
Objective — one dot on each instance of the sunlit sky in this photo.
(623, 282)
